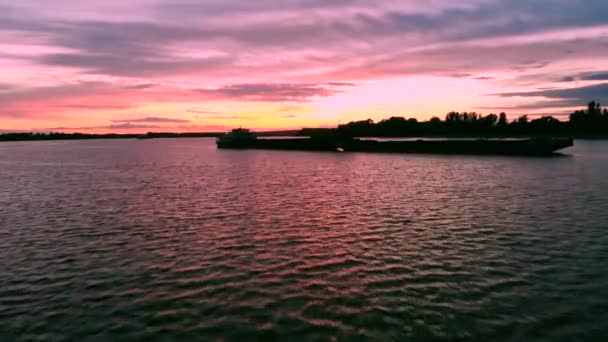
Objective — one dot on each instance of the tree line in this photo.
(592, 121)
(589, 122)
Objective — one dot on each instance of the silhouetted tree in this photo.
(502, 120)
(593, 120)
(522, 120)
(594, 109)
(546, 124)
(473, 117)
(489, 120)
(452, 117)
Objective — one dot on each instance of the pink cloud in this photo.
(74, 62)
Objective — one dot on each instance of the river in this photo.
(174, 239)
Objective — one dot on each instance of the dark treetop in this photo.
(591, 122)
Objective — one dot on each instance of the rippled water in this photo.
(173, 239)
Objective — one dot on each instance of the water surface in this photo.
(171, 238)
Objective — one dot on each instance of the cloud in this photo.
(201, 111)
(137, 128)
(582, 94)
(204, 128)
(42, 101)
(243, 8)
(141, 86)
(126, 126)
(567, 79)
(586, 76)
(288, 108)
(115, 65)
(219, 117)
(84, 98)
(151, 119)
(440, 20)
(278, 51)
(602, 76)
(304, 34)
(5, 87)
(130, 126)
(536, 105)
(270, 92)
(503, 18)
(445, 58)
(290, 116)
(341, 84)
(93, 106)
(459, 75)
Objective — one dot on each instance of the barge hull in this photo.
(533, 147)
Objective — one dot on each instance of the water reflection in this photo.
(173, 238)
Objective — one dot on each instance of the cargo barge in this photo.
(246, 139)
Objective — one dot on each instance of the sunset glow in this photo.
(189, 65)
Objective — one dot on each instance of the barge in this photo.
(246, 139)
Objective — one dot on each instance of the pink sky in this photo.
(188, 65)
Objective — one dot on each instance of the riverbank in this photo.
(80, 136)
(29, 136)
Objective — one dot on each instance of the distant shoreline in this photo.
(589, 123)
(16, 137)
(30, 136)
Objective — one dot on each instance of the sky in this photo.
(210, 65)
